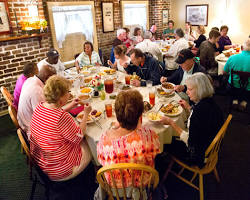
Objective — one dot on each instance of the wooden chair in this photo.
(153, 180)
(6, 94)
(13, 115)
(211, 159)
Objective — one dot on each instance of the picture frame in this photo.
(5, 27)
(108, 17)
(197, 14)
(165, 14)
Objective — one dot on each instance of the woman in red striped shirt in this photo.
(57, 143)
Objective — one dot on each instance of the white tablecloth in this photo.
(165, 133)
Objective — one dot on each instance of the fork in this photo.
(97, 123)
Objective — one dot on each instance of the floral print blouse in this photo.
(139, 146)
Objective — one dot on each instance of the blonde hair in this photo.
(55, 88)
(202, 84)
(202, 29)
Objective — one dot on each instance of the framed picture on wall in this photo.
(197, 14)
(4, 18)
(107, 16)
(165, 16)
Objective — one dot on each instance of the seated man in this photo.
(53, 61)
(30, 69)
(148, 46)
(239, 62)
(172, 53)
(187, 67)
(31, 95)
(145, 66)
(207, 52)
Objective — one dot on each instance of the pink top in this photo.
(18, 88)
(31, 96)
(55, 142)
(139, 146)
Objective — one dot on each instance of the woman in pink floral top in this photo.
(130, 142)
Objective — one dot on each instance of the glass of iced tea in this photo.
(152, 97)
(109, 85)
(127, 79)
(108, 108)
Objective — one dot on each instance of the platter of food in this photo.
(154, 116)
(92, 117)
(86, 90)
(163, 93)
(109, 71)
(167, 87)
(172, 109)
(84, 98)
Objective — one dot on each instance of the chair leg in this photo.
(167, 171)
(201, 186)
(33, 188)
(216, 175)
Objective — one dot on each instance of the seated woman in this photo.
(129, 142)
(201, 31)
(190, 35)
(224, 41)
(87, 57)
(137, 36)
(57, 143)
(121, 60)
(29, 70)
(204, 122)
(168, 33)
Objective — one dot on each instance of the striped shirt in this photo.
(55, 142)
(83, 59)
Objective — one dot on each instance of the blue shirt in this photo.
(239, 62)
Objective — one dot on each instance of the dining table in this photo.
(97, 127)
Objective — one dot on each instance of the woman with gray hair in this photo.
(204, 122)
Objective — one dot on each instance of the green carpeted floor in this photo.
(233, 166)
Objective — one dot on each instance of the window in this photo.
(135, 13)
(71, 24)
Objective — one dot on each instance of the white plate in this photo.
(91, 90)
(222, 58)
(164, 95)
(79, 119)
(180, 109)
(150, 112)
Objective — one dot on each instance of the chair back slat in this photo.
(7, 96)
(211, 153)
(13, 115)
(130, 169)
(23, 142)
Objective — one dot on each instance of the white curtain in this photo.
(135, 14)
(72, 19)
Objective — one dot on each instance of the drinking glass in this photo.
(127, 79)
(149, 83)
(152, 97)
(108, 108)
(109, 85)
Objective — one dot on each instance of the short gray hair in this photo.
(246, 45)
(147, 35)
(120, 31)
(202, 84)
(179, 32)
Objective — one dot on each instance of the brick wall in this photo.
(14, 54)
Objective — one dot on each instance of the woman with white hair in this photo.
(204, 122)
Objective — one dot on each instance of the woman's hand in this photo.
(97, 64)
(163, 79)
(166, 120)
(184, 104)
(109, 63)
(87, 109)
(125, 65)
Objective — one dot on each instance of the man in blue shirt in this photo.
(239, 62)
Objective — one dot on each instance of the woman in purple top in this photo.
(29, 70)
(224, 42)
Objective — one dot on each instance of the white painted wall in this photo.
(233, 13)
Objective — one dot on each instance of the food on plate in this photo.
(153, 116)
(83, 97)
(170, 109)
(87, 79)
(86, 90)
(168, 85)
(125, 87)
(109, 71)
(101, 74)
(147, 106)
(163, 92)
(112, 96)
(94, 113)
